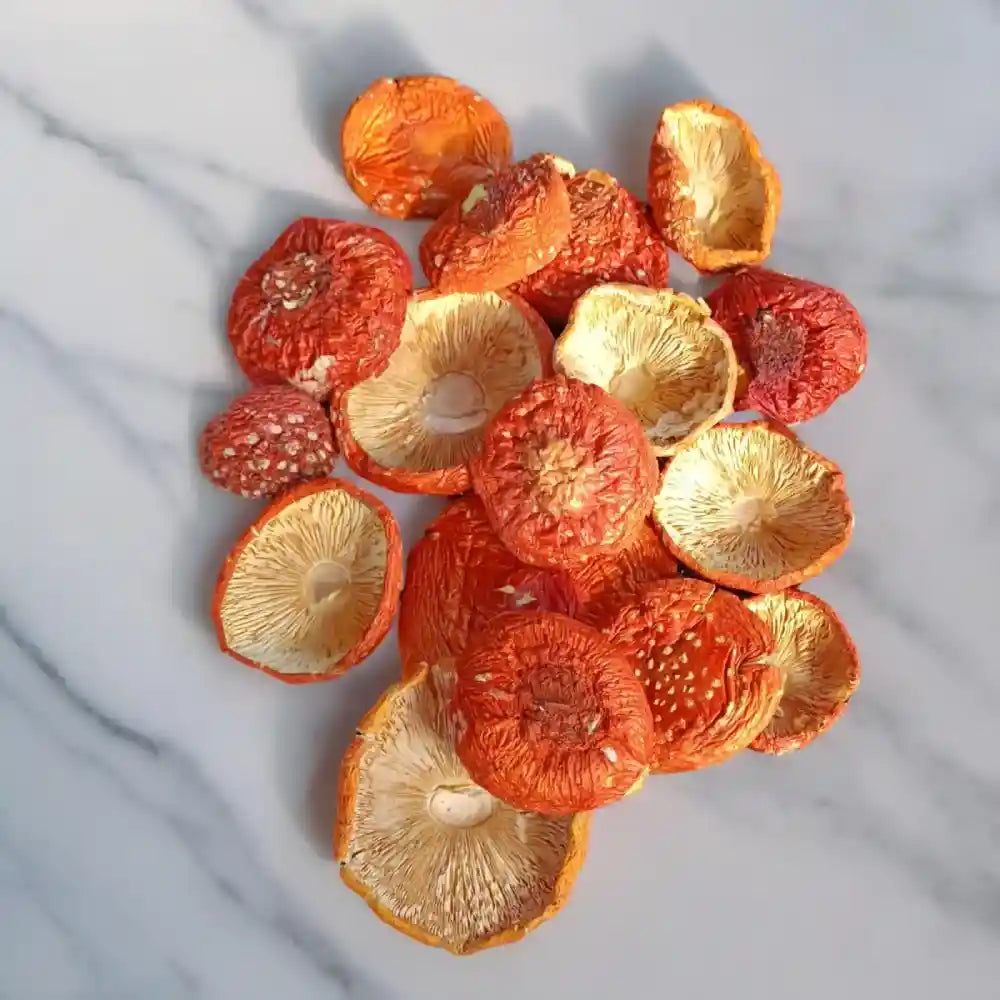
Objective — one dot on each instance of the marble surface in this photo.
(164, 813)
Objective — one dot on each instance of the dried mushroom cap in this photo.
(459, 576)
(610, 239)
(321, 308)
(565, 473)
(818, 663)
(436, 606)
(461, 357)
(505, 229)
(656, 351)
(750, 507)
(610, 580)
(433, 854)
(713, 195)
(801, 344)
(550, 717)
(699, 654)
(411, 145)
(312, 586)
(267, 440)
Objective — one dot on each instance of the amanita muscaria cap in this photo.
(322, 307)
(611, 239)
(749, 506)
(565, 473)
(432, 853)
(656, 351)
(801, 345)
(550, 716)
(415, 426)
(701, 657)
(819, 667)
(411, 145)
(460, 575)
(312, 586)
(506, 228)
(712, 193)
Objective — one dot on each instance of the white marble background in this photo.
(164, 813)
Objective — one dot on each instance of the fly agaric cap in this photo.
(565, 473)
(267, 440)
(608, 581)
(610, 240)
(752, 508)
(801, 344)
(550, 717)
(712, 193)
(818, 663)
(432, 853)
(506, 228)
(700, 657)
(656, 351)
(412, 145)
(460, 575)
(311, 588)
(414, 427)
(322, 307)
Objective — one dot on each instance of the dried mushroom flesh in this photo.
(610, 239)
(459, 576)
(610, 580)
(750, 507)
(818, 663)
(801, 344)
(656, 351)
(312, 587)
(412, 145)
(505, 229)
(550, 717)
(434, 854)
(712, 193)
(435, 610)
(460, 358)
(699, 654)
(565, 473)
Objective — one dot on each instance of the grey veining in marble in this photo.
(165, 814)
